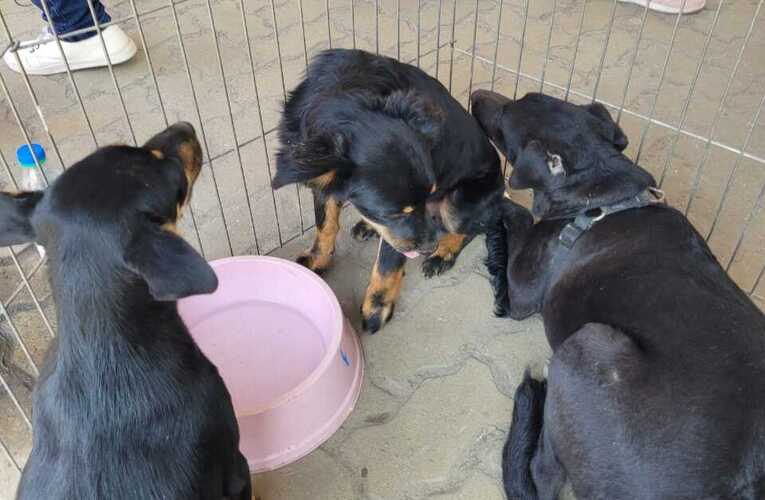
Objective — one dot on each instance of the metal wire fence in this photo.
(685, 88)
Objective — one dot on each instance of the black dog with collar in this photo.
(656, 388)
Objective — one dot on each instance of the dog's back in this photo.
(463, 149)
(127, 406)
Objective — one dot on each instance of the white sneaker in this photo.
(670, 6)
(44, 57)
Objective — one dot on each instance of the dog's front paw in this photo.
(376, 312)
(437, 264)
(315, 262)
(501, 307)
(362, 231)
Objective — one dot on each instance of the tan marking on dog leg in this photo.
(319, 257)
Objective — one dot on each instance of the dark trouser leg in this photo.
(71, 15)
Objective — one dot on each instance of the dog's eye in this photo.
(155, 218)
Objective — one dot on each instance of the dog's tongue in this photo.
(412, 254)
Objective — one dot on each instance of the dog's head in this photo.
(375, 152)
(117, 209)
(570, 155)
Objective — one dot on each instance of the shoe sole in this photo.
(119, 56)
(655, 6)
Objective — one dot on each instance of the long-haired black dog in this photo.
(656, 388)
(127, 406)
(391, 140)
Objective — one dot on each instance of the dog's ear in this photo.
(609, 128)
(536, 168)
(318, 160)
(419, 112)
(16, 210)
(170, 266)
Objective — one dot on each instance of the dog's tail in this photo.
(525, 432)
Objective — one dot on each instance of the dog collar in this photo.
(584, 221)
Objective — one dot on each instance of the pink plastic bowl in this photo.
(289, 358)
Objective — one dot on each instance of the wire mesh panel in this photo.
(686, 89)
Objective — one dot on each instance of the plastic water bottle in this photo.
(31, 176)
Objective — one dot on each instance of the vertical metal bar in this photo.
(576, 51)
(745, 227)
(44, 4)
(150, 66)
(33, 96)
(24, 416)
(302, 32)
(329, 27)
(631, 65)
(732, 174)
(353, 24)
(201, 121)
(278, 46)
(451, 57)
(757, 281)
(19, 339)
(284, 90)
(663, 74)
(419, 29)
(523, 42)
(689, 97)
(231, 119)
(547, 47)
(398, 30)
(438, 37)
(22, 128)
(377, 26)
(8, 454)
(605, 50)
(720, 107)
(100, 35)
(260, 119)
(472, 57)
(496, 45)
(28, 286)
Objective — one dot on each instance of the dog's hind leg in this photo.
(327, 210)
(443, 259)
(496, 264)
(504, 236)
(530, 469)
(384, 288)
(239, 484)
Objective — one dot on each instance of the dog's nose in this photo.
(487, 99)
(186, 127)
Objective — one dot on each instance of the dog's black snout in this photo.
(187, 128)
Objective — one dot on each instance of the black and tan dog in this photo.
(126, 407)
(391, 140)
(656, 388)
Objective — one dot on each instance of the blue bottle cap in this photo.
(25, 158)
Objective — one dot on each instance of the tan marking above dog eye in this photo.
(408, 210)
(157, 154)
(433, 188)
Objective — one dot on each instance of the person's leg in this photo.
(44, 56)
(72, 15)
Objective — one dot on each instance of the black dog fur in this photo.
(126, 406)
(656, 388)
(391, 140)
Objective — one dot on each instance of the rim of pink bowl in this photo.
(338, 325)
